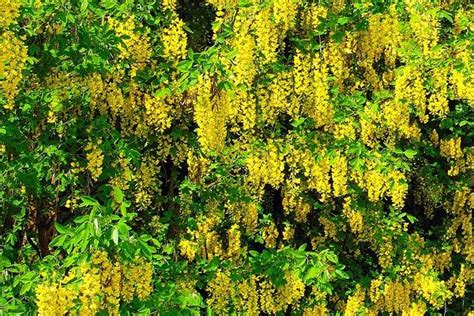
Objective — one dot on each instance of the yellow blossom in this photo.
(174, 40)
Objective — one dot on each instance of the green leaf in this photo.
(331, 256)
(298, 122)
(108, 4)
(338, 36)
(213, 264)
(341, 274)
(115, 236)
(88, 201)
(311, 273)
(60, 228)
(123, 229)
(343, 20)
(224, 85)
(118, 195)
(58, 241)
(446, 15)
(245, 3)
(410, 153)
(162, 92)
(84, 5)
(412, 219)
(185, 65)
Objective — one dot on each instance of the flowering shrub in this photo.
(236, 157)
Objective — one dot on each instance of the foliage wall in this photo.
(236, 157)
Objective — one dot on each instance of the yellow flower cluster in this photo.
(270, 235)
(336, 5)
(317, 172)
(397, 116)
(311, 16)
(462, 280)
(174, 40)
(398, 189)
(438, 101)
(451, 148)
(396, 296)
(409, 89)
(54, 299)
(102, 287)
(344, 130)
(375, 184)
(462, 21)
(301, 65)
(246, 105)
(158, 113)
(223, 4)
(254, 295)
(370, 132)
(244, 68)
(147, 180)
(266, 167)
(416, 309)
(267, 296)
(209, 244)
(108, 96)
(385, 252)
(188, 249)
(274, 99)
(408, 296)
(381, 40)
(284, 13)
(89, 290)
(169, 4)
(390, 296)
(317, 310)
(211, 112)
(9, 11)
(288, 294)
(312, 88)
(136, 46)
(288, 233)
(462, 81)
(293, 203)
(13, 55)
(424, 24)
(355, 302)
(220, 288)
(250, 218)
(266, 35)
(198, 167)
(95, 159)
(335, 56)
(354, 218)
(431, 289)
(460, 200)
(329, 227)
(246, 301)
(125, 175)
(114, 99)
(339, 175)
(234, 243)
(381, 181)
(96, 89)
(137, 279)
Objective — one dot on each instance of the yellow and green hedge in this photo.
(236, 157)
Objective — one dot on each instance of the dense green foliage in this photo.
(248, 157)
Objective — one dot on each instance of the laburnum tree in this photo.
(236, 157)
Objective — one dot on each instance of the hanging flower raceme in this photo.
(101, 285)
(13, 56)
